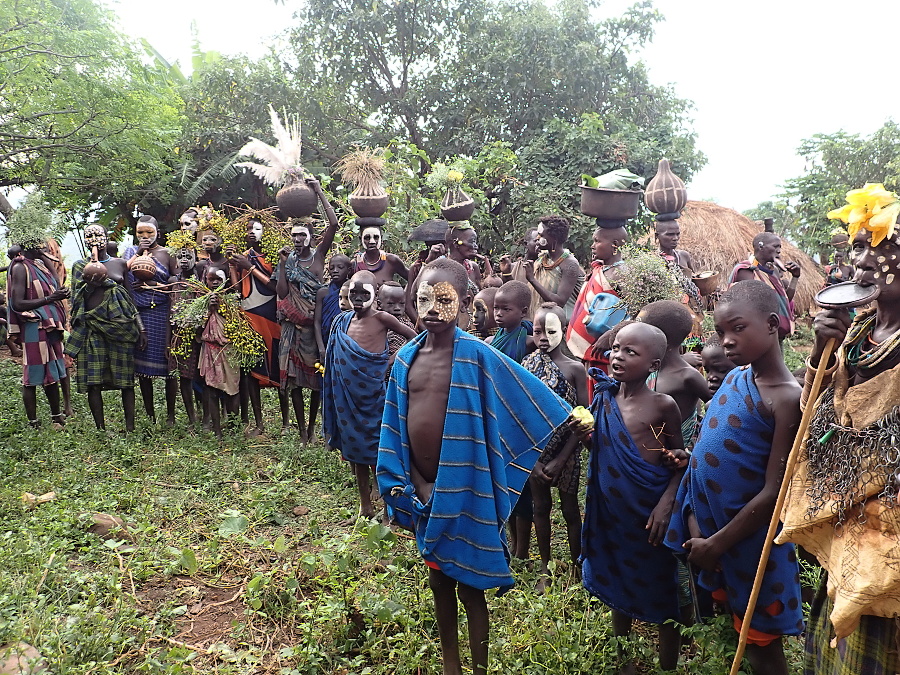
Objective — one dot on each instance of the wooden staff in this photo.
(779, 503)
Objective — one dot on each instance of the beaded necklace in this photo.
(860, 334)
(545, 257)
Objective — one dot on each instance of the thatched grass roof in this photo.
(717, 238)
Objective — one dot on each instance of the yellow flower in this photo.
(454, 176)
(872, 208)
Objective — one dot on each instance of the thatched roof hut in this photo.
(717, 238)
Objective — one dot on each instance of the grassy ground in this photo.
(238, 563)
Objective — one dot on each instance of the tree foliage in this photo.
(835, 164)
(82, 117)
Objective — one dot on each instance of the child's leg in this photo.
(568, 502)
(285, 407)
(768, 660)
(479, 628)
(65, 385)
(314, 397)
(56, 414)
(146, 385)
(95, 403)
(29, 399)
(669, 646)
(127, 406)
(212, 403)
(621, 624)
(443, 588)
(171, 399)
(365, 490)
(256, 404)
(299, 412)
(187, 397)
(540, 493)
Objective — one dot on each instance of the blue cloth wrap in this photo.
(499, 417)
(513, 343)
(727, 470)
(331, 308)
(619, 565)
(353, 394)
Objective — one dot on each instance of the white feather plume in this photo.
(285, 155)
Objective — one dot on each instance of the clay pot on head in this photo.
(369, 206)
(665, 194)
(296, 199)
(457, 205)
(609, 204)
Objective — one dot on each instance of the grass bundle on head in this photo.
(33, 223)
(444, 177)
(245, 347)
(645, 278)
(363, 168)
(179, 239)
(209, 218)
(275, 235)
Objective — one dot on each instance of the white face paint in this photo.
(95, 235)
(254, 231)
(361, 296)
(371, 237)
(300, 236)
(425, 298)
(441, 297)
(541, 239)
(553, 328)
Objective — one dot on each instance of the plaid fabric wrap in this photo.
(102, 339)
(40, 328)
(872, 649)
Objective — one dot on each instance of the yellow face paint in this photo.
(441, 297)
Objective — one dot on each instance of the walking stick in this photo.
(779, 503)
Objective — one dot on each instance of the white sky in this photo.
(762, 75)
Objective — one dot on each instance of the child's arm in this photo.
(705, 553)
(698, 386)
(392, 323)
(550, 471)
(317, 320)
(671, 440)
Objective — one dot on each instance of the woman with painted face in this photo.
(298, 278)
(106, 327)
(372, 258)
(209, 254)
(152, 360)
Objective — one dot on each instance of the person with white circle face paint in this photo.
(298, 278)
(151, 361)
(372, 258)
(560, 463)
(354, 387)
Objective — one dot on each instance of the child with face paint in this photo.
(510, 309)
(215, 368)
(560, 463)
(328, 300)
(445, 469)
(354, 383)
(483, 316)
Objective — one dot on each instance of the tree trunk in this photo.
(5, 207)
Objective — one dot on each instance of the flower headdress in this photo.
(873, 208)
(179, 239)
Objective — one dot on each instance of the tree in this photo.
(836, 163)
(82, 117)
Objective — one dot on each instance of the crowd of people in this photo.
(467, 392)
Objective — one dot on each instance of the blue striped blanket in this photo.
(499, 417)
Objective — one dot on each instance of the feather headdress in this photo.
(279, 160)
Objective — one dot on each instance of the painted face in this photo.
(361, 296)
(744, 332)
(300, 236)
(344, 298)
(392, 300)
(716, 365)
(214, 277)
(877, 266)
(254, 232)
(95, 235)
(188, 221)
(467, 243)
(548, 331)
(632, 356)
(211, 243)
(668, 234)
(146, 233)
(438, 304)
(541, 238)
(371, 238)
(507, 313)
(186, 258)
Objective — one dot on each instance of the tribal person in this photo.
(556, 275)
(372, 258)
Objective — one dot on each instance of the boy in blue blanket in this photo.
(726, 500)
(631, 491)
(511, 305)
(452, 477)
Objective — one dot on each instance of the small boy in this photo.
(328, 300)
(355, 366)
(675, 376)
(511, 305)
(631, 489)
(716, 364)
(392, 299)
(560, 463)
(216, 370)
(483, 313)
(451, 477)
(724, 505)
(344, 296)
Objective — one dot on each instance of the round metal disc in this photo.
(847, 294)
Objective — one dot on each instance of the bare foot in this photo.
(542, 585)
(255, 432)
